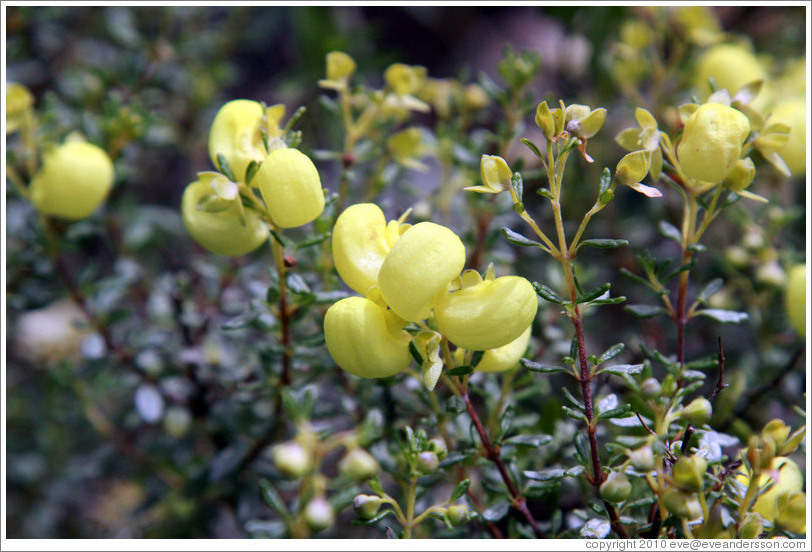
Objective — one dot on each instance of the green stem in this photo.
(410, 502)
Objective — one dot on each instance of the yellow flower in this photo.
(785, 478)
(405, 79)
(365, 339)
(224, 232)
(495, 173)
(73, 181)
(792, 512)
(792, 112)
(361, 241)
(712, 142)
(19, 101)
(795, 298)
(730, 65)
(340, 66)
(420, 265)
(486, 314)
(407, 147)
(291, 187)
(235, 133)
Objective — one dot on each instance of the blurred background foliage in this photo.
(155, 440)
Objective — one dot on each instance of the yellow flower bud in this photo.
(358, 464)
(19, 101)
(405, 79)
(505, 357)
(292, 459)
(458, 514)
(223, 232)
(73, 181)
(698, 411)
(616, 488)
(319, 514)
(792, 112)
(361, 242)
(474, 97)
(235, 133)
(495, 173)
(367, 506)
(786, 478)
(742, 175)
(752, 526)
(420, 265)
(775, 434)
(712, 142)
(291, 187)
(792, 513)
(340, 66)
(730, 65)
(366, 340)
(795, 298)
(487, 315)
(545, 120)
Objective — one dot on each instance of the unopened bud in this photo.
(669, 386)
(682, 505)
(689, 473)
(427, 462)
(616, 488)
(358, 464)
(438, 447)
(319, 514)
(291, 459)
(651, 388)
(752, 526)
(366, 506)
(643, 459)
(775, 433)
(458, 514)
(698, 412)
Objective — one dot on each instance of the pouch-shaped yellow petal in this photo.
(505, 357)
(712, 142)
(73, 181)
(488, 315)
(360, 245)
(420, 265)
(785, 477)
(291, 187)
(366, 340)
(730, 65)
(221, 232)
(235, 134)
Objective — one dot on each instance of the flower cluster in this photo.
(221, 210)
(411, 276)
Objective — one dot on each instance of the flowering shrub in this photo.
(417, 306)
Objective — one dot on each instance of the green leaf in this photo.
(623, 369)
(606, 180)
(573, 413)
(272, 498)
(517, 239)
(593, 294)
(608, 301)
(605, 243)
(496, 512)
(687, 266)
(543, 368)
(534, 441)
(412, 440)
(375, 485)
(460, 370)
(724, 316)
(619, 412)
(544, 192)
(612, 352)
(415, 353)
(634, 277)
(225, 168)
(547, 293)
(296, 284)
(460, 489)
(278, 238)
(455, 405)
(251, 170)
(569, 396)
(709, 290)
(315, 240)
(705, 363)
(476, 358)
(644, 311)
(517, 184)
(532, 148)
(549, 474)
(668, 230)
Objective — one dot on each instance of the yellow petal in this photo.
(420, 265)
(340, 66)
(784, 477)
(712, 142)
(221, 232)
(730, 65)
(235, 134)
(366, 340)
(73, 181)
(361, 242)
(291, 187)
(792, 112)
(505, 357)
(488, 315)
